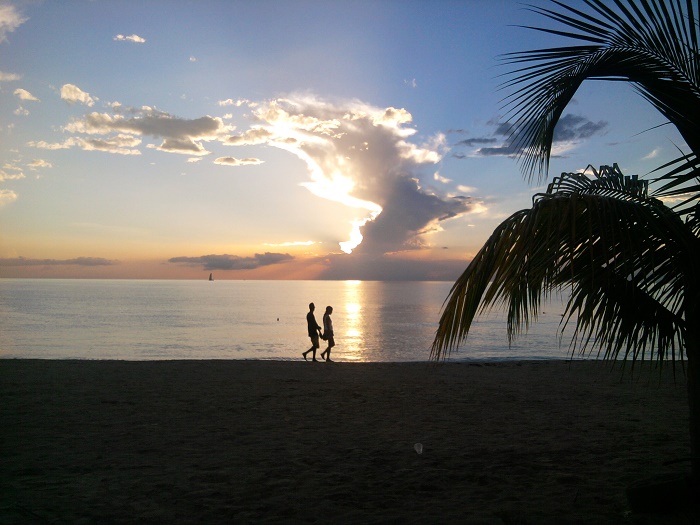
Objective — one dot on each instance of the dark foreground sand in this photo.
(295, 442)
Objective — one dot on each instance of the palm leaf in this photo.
(682, 180)
(621, 252)
(650, 43)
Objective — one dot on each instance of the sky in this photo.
(296, 139)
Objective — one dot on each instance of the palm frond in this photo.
(681, 183)
(653, 44)
(623, 253)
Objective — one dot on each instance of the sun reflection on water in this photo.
(353, 325)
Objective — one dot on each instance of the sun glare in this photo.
(337, 188)
(354, 322)
(355, 236)
(312, 140)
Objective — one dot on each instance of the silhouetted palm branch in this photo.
(682, 183)
(623, 254)
(653, 44)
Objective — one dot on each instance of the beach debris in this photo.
(418, 447)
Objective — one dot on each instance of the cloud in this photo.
(79, 261)
(7, 196)
(476, 141)
(41, 144)
(255, 135)
(10, 19)
(573, 128)
(230, 102)
(131, 38)
(23, 94)
(72, 94)
(506, 150)
(466, 189)
(22, 112)
(407, 216)
(9, 77)
(39, 163)
(184, 145)
(360, 155)
(652, 154)
(17, 175)
(570, 130)
(121, 130)
(120, 144)
(233, 262)
(179, 135)
(232, 161)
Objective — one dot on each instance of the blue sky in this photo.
(270, 139)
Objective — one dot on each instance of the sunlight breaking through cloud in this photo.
(356, 154)
(359, 155)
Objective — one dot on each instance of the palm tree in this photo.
(628, 258)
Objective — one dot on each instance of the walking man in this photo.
(314, 330)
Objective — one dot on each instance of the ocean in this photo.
(161, 319)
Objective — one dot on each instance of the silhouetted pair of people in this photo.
(315, 332)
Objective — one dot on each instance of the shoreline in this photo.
(248, 441)
(453, 361)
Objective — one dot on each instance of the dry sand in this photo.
(294, 442)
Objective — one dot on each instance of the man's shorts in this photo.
(314, 340)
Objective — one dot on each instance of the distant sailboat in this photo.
(211, 277)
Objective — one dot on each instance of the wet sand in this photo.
(547, 442)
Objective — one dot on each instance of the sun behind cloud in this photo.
(359, 155)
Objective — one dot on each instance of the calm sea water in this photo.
(151, 320)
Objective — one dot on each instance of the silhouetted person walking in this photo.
(314, 332)
(328, 332)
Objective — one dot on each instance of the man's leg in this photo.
(312, 349)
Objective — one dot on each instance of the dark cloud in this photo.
(570, 129)
(407, 214)
(476, 141)
(179, 135)
(506, 150)
(233, 262)
(503, 129)
(79, 261)
(150, 122)
(185, 145)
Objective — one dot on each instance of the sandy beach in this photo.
(547, 442)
